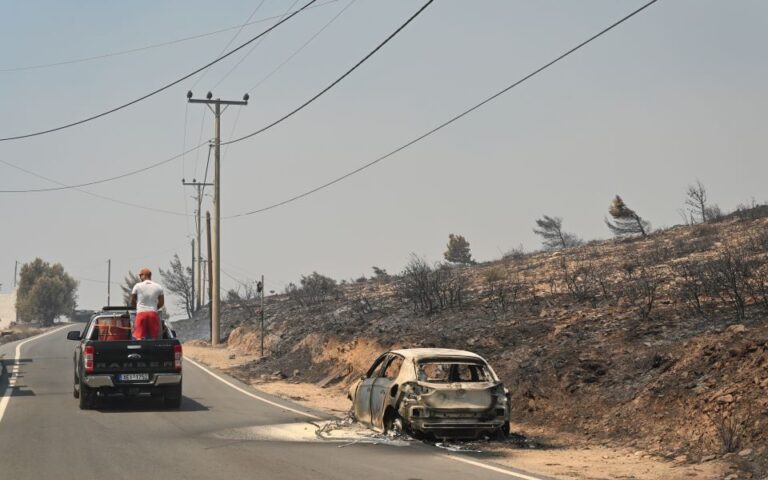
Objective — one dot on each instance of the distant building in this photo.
(7, 309)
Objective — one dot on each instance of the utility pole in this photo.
(109, 278)
(15, 269)
(205, 279)
(192, 300)
(261, 288)
(216, 258)
(197, 267)
(210, 276)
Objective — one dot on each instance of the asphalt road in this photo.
(43, 434)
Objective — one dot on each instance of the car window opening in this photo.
(449, 372)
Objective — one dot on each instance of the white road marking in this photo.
(262, 399)
(246, 392)
(491, 467)
(14, 372)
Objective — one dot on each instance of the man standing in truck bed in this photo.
(147, 296)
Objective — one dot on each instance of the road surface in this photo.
(43, 434)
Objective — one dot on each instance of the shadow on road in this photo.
(122, 404)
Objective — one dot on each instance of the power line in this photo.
(335, 82)
(167, 160)
(96, 195)
(161, 89)
(231, 40)
(147, 47)
(285, 62)
(447, 122)
(93, 182)
(248, 53)
(303, 46)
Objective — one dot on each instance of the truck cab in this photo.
(108, 361)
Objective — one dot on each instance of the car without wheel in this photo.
(107, 361)
(432, 391)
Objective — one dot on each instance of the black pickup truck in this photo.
(107, 361)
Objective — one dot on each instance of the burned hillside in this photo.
(658, 342)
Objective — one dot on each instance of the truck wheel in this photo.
(172, 397)
(75, 391)
(87, 397)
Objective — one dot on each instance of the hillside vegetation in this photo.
(656, 342)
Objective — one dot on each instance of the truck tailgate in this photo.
(153, 356)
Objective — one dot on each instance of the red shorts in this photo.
(146, 325)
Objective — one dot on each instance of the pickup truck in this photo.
(107, 361)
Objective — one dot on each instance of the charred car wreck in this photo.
(432, 391)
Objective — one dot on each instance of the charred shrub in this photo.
(729, 275)
(583, 280)
(502, 294)
(430, 289)
(691, 288)
(314, 289)
(730, 280)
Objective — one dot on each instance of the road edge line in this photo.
(6, 398)
(309, 415)
(250, 394)
(492, 468)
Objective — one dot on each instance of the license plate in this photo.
(133, 377)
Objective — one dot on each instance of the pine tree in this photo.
(457, 250)
(552, 235)
(625, 220)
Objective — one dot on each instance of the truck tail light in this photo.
(177, 357)
(88, 353)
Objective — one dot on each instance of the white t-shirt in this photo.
(147, 293)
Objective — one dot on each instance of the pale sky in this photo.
(676, 94)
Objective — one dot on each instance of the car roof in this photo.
(421, 353)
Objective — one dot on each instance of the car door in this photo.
(362, 404)
(384, 389)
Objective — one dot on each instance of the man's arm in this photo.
(160, 301)
(134, 300)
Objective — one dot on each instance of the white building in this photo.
(7, 309)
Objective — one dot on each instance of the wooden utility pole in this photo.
(192, 300)
(261, 287)
(109, 280)
(215, 258)
(210, 275)
(15, 269)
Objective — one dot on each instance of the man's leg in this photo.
(140, 327)
(153, 325)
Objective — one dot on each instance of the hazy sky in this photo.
(675, 94)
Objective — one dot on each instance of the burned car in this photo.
(432, 391)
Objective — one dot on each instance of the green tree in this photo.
(45, 292)
(457, 250)
(625, 220)
(178, 281)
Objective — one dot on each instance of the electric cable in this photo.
(447, 122)
(248, 53)
(335, 82)
(286, 61)
(93, 182)
(103, 197)
(163, 88)
(167, 160)
(231, 40)
(302, 47)
(148, 47)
